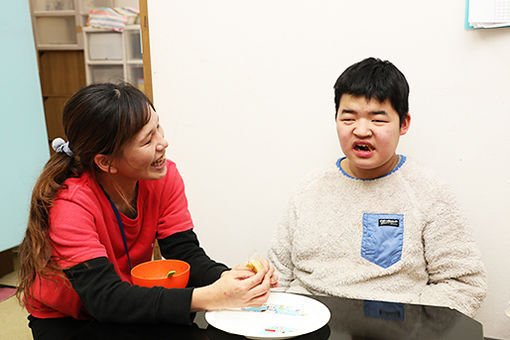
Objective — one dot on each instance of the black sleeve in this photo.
(109, 299)
(185, 246)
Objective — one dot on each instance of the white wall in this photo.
(244, 90)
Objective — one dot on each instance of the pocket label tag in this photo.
(388, 222)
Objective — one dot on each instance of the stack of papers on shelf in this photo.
(487, 13)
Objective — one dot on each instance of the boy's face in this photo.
(368, 131)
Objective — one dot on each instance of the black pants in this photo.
(57, 328)
(73, 329)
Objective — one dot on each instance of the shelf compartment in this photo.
(133, 45)
(87, 5)
(106, 73)
(135, 76)
(104, 45)
(58, 30)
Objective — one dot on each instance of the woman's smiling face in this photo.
(143, 156)
(369, 132)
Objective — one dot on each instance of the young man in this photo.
(377, 226)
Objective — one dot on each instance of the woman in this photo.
(100, 203)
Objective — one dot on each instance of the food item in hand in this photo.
(170, 273)
(255, 265)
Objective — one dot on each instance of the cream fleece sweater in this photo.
(398, 238)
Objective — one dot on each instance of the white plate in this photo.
(283, 316)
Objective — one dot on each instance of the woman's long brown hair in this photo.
(98, 119)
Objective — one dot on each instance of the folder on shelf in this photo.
(487, 14)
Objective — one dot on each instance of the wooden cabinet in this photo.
(62, 73)
(57, 27)
(68, 63)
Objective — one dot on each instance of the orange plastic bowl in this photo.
(154, 273)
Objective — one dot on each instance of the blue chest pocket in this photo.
(383, 237)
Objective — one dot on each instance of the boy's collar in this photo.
(401, 162)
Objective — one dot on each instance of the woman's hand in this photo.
(273, 277)
(248, 272)
(239, 287)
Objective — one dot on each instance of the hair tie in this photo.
(59, 145)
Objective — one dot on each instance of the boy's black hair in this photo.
(375, 78)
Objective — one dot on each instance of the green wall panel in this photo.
(23, 137)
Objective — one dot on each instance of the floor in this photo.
(13, 317)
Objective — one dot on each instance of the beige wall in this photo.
(244, 90)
